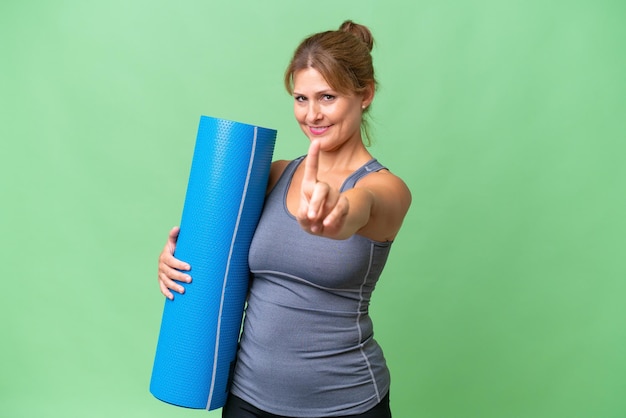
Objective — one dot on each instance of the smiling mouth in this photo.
(318, 130)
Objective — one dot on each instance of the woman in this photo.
(307, 349)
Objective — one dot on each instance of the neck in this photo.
(349, 157)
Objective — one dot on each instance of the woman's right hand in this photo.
(169, 266)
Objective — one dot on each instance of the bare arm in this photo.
(375, 208)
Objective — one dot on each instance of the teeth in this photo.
(319, 130)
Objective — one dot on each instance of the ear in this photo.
(368, 95)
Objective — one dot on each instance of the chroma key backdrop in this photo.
(504, 293)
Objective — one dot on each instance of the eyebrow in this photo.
(321, 93)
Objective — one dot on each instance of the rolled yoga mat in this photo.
(200, 329)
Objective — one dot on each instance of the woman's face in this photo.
(325, 114)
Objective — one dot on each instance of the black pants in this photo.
(238, 408)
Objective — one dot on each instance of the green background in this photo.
(505, 295)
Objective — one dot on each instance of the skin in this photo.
(374, 208)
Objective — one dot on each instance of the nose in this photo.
(314, 113)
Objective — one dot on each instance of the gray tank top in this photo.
(307, 349)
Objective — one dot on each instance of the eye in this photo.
(299, 98)
(328, 97)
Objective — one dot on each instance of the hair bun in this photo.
(360, 31)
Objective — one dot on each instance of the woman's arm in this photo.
(169, 266)
(171, 270)
(375, 208)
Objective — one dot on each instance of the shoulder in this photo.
(391, 199)
(276, 170)
(385, 180)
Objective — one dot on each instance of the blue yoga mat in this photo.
(200, 329)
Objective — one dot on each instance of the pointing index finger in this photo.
(310, 168)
